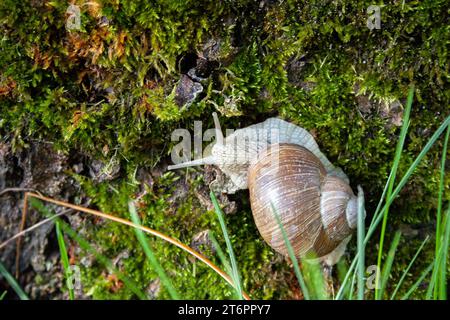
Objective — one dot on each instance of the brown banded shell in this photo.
(316, 209)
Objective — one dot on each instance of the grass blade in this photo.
(64, 260)
(149, 253)
(397, 157)
(13, 283)
(292, 256)
(443, 267)
(383, 195)
(220, 253)
(405, 273)
(418, 282)
(361, 246)
(441, 190)
(389, 261)
(2, 296)
(440, 290)
(234, 267)
(352, 287)
(440, 261)
(222, 258)
(377, 216)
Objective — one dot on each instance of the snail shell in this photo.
(284, 169)
(317, 210)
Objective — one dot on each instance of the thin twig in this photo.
(22, 224)
(19, 239)
(35, 226)
(7, 190)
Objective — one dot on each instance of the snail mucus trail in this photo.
(283, 168)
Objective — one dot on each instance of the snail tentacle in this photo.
(198, 162)
(219, 134)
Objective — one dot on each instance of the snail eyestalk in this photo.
(199, 162)
(206, 160)
(219, 134)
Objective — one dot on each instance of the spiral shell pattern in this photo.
(294, 185)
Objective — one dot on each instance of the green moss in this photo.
(111, 86)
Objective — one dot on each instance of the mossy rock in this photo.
(109, 90)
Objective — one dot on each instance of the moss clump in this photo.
(111, 86)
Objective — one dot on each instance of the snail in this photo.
(281, 165)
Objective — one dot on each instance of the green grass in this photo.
(405, 273)
(443, 266)
(377, 216)
(352, 287)
(388, 265)
(312, 284)
(406, 176)
(440, 289)
(13, 283)
(398, 154)
(418, 282)
(292, 256)
(391, 193)
(234, 268)
(223, 259)
(440, 263)
(64, 260)
(220, 252)
(2, 296)
(360, 245)
(150, 255)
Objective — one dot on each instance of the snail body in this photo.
(281, 165)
